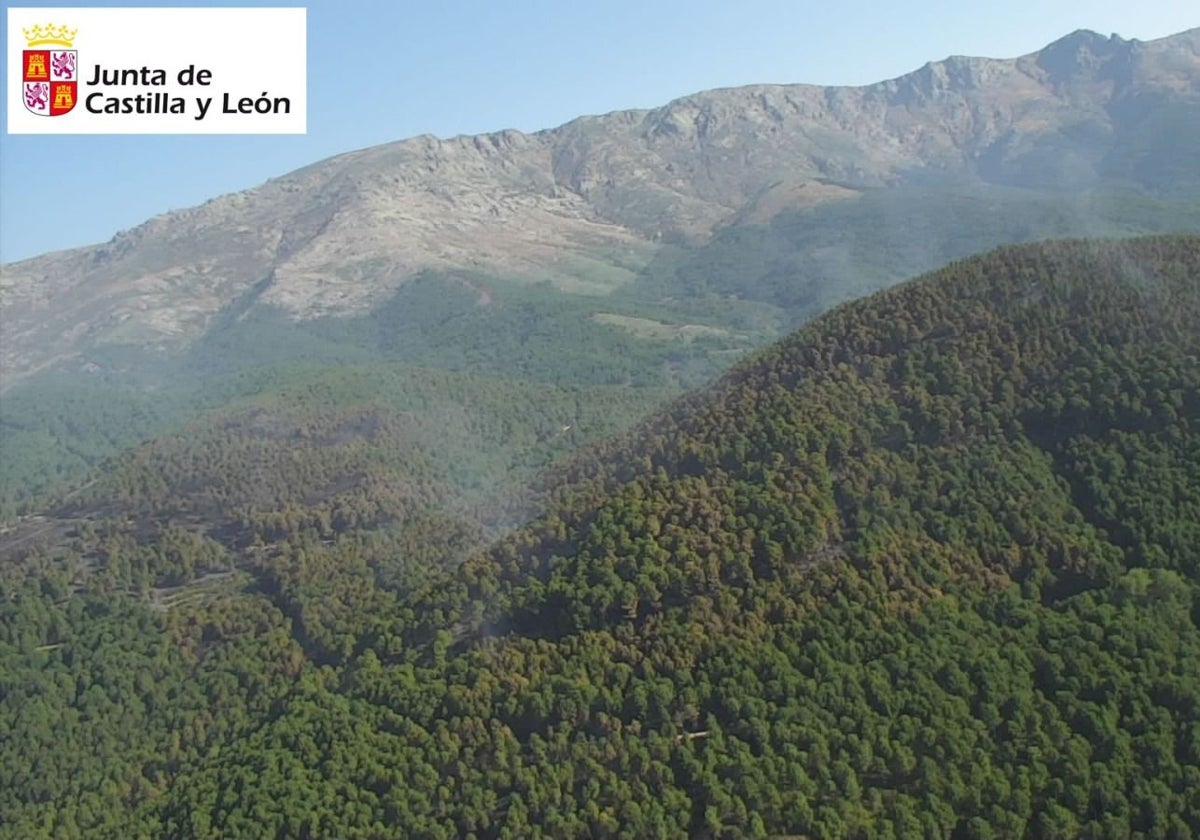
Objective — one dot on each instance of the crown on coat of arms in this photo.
(38, 35)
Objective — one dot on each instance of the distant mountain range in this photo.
(522, 485)
(1089, 135)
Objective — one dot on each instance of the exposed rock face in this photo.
(336, 236)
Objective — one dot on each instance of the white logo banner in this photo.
(157, 71)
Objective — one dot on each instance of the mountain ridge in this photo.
(586, 205)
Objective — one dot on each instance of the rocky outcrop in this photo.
(339, 235)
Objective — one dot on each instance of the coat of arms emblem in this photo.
(49, 73)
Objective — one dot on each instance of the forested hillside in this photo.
(638, 248)
(676, 322)
(1073, 131)
(929, 567)
(355, 449)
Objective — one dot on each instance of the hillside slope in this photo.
(639, 249)
(587, 206)
(926, 568)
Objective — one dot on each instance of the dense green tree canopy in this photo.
(929, 567)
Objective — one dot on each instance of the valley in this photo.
(805, 563)
(785, 461)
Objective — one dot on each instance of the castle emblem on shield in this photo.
(49, 77)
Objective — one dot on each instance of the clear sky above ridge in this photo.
(381, 71)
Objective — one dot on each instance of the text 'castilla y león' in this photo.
(161, 102)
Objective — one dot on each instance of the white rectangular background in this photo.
(249, 51)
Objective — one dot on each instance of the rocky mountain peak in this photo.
(1087, 55)
(582, 205)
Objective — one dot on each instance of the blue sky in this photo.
(380, 71)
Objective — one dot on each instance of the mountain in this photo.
(594, 207)
(345, 506)
(927, 567)
(646, 249)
